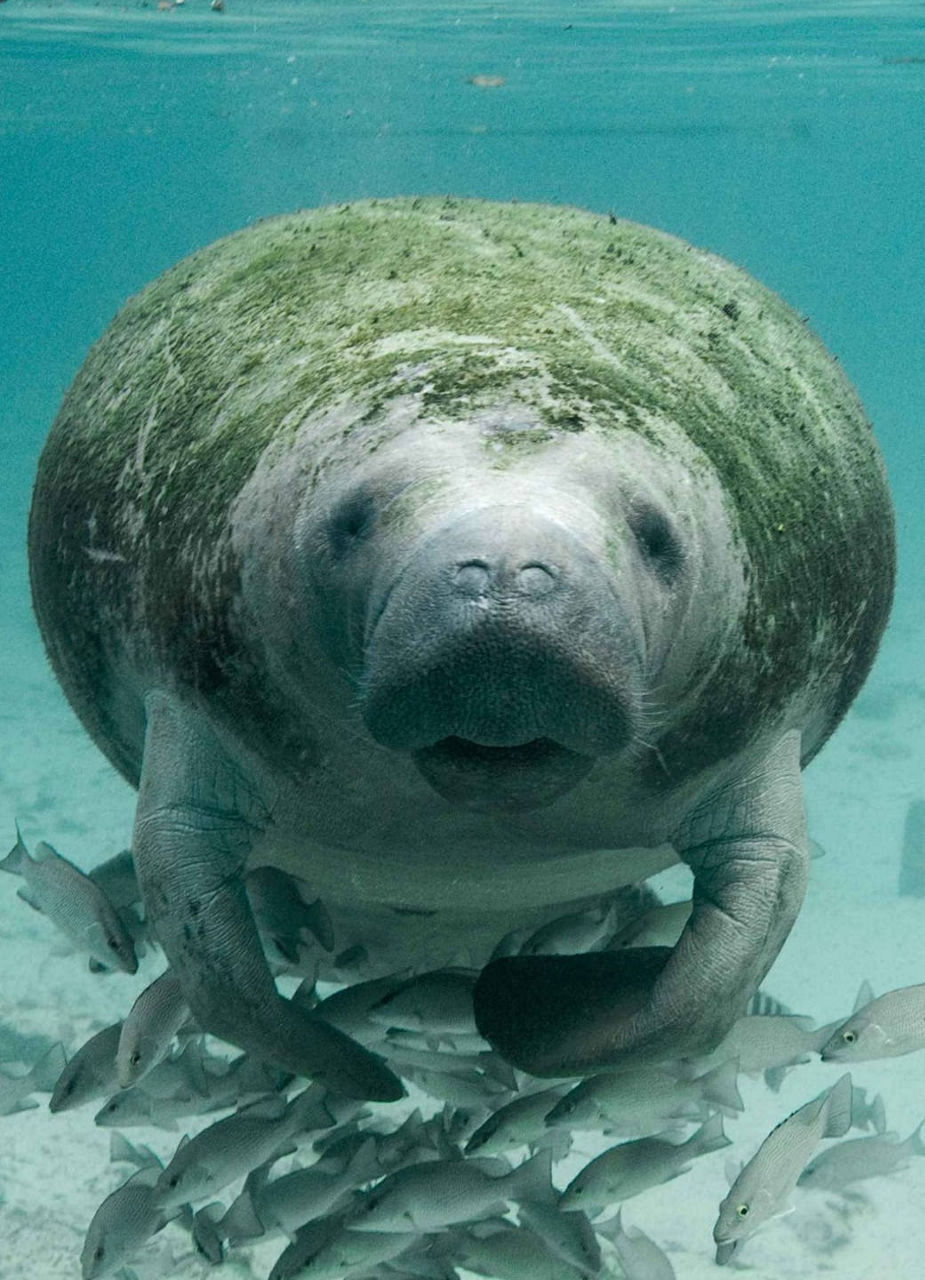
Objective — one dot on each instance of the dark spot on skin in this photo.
(193, 907)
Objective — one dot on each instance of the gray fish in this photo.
(41, 1077)
(506, 1252)
(152, 1022)
(887, 1027)
(660, 926)
(91, 1073)
(348, 1009)
(439, 1001)
(232, 1147)
(519, 1123)
(639, 1101)
(347, 1254)
(632, 1167)
(640, 1257)
(568, 1234)
(859, 1158)
(762, 1187)
(73, 902)
(441, 1193)
(763, 1042)
(285, 915)
(284, 1205)
(122, 1224)
(571, 934)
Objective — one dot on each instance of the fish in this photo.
(887, 1027)
(640, 1257)
(73, 902)
(660, 926)
(232, 1147)
(285, 915)
(638, 1101)
(123, 1223)
(568, 935)
(345, 1254)
(442, 1193)
(348, 1010)
(439, 1001)
(41, 1077)
(566, 1233)
(764, 1184)
(768, 1042)
(282, 1206)
(521, 1122)
(859, 1158)
(632, 1167)
(505, 1252)
(150, 1026)
(91, 1072)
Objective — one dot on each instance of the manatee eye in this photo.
(657, 540)
(351, 521)
(99, 1253)
(742, 1210)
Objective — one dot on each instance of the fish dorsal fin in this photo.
(732, 1169)
(838, 1108)
(864, 996)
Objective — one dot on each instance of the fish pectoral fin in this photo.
(194, 827)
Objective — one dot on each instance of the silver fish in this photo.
(571, 934)
(638, 1101)
(284, 1205)
(441, 1193)
(567, 1234)
(152, 1022)
(763, 1042)
(887, 1027)
(91, 1073)
(347, 1254)
(41, 1077)
(632, 1167)
(859, 1158)
(73, 902)
(660, 926)
(285, 915)
(438, 1001)
(234, 1146)
(122, 1224)
(640, 1257)
(762, 1187)
(348, 1009)
(519, 1123)
(506, 1252)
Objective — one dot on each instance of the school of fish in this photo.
(465, 1179)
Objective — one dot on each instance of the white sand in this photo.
(54, 1170)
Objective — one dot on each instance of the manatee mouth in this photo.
(509, 779)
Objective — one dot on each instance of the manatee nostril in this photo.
(535, 579)
(471, 577)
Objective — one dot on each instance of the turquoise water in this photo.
(790, 139)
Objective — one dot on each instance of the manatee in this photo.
(470, 561)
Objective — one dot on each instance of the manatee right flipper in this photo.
(193, 831)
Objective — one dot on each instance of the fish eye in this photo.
(99, 1253)
(849, 1037)
(113, 944)
(135, 1058)
(174, 1180)
(742, 1210)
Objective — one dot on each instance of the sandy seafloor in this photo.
(54, 1170)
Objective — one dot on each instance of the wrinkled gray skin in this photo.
(462, 665)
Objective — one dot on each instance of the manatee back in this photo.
(587, 320)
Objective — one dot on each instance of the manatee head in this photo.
(506, 598)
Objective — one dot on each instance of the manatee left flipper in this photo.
(571, 1015)
(193, 830)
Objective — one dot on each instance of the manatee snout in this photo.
(503, 660)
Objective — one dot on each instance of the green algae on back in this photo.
(589, 322)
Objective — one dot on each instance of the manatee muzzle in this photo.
(503, 662)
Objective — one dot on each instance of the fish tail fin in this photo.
(914, 1141)
(838, 1108)
(533, 1180)
(710, 1136)
(878, 1114)
(47, 1071)
(719, 1086)
(18, 858)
